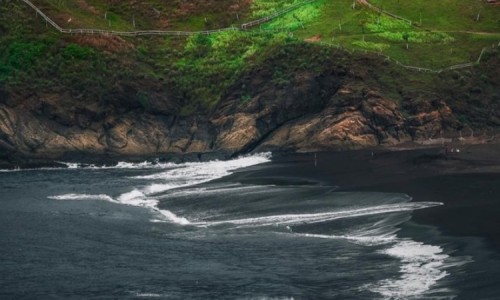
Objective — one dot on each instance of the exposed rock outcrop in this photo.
(330, 110)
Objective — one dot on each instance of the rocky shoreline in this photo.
(358, 103)
(14, 160)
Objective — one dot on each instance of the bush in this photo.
(20, 58)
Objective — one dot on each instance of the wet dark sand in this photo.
(468, 183)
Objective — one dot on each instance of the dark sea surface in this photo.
(217, 230)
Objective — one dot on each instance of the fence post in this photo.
(480, 55)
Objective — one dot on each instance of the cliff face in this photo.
(340, 107)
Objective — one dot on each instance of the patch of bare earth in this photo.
(85, 6)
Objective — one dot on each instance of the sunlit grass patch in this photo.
(263, 8)
(371, 45)
(296, 19)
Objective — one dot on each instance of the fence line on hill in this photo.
(245, 26)
(454, 67)
(414, 68)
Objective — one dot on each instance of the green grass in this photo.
(364, 29)
(296, 19)
(372, 46)
(63, 11)
(263, 8)
(154, 14)
(208, 65)
(449, 15)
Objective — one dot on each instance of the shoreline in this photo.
(468, 182)
(14, 160)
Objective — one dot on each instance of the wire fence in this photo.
(415, 68)
(379, 10)
(244, 26)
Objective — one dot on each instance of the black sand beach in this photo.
(335, 225)
(467, 182)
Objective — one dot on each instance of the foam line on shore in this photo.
(121, 165)
(297, 219)
(74, 197)
(178, 176)
(145, 165)
(362, 240)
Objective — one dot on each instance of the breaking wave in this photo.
(175, 176)
(421, 267)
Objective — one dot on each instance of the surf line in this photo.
(173, 177)
(297, 219)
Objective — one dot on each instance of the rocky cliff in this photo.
(349, 103)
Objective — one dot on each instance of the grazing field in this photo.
(453, 37)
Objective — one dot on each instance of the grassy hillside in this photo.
(451, 15)
(199, 69)
(442, 33)
(449, 33)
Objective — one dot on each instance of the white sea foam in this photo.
(296, 219)
(185, 175)
(174, 218)
(422, 266)
(203, 171)
(362, 240)
(148, 295)
(226, 189)
(177, 176)
(120, 165)
(73, 197)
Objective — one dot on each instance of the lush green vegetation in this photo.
(296, 19)
(42, 64)
(208, 65)
(442, 33)
(38, 59)
(364, 29)
(263, 8)
(202, 68)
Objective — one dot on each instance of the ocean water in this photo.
(192, 231)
